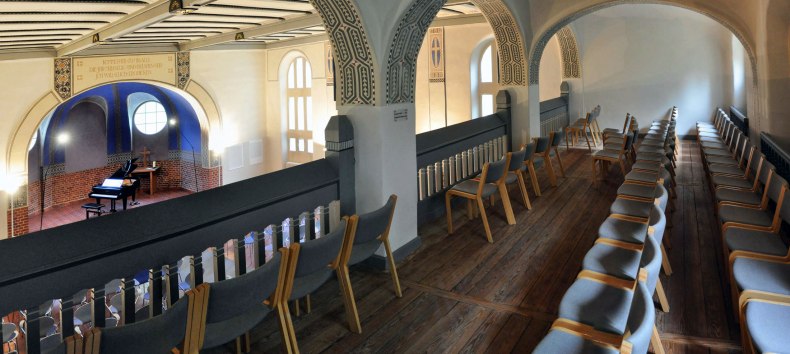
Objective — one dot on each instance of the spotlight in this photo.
(63, 138)
(172, 122)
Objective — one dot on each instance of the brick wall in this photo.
(68, 187)
(21, 218)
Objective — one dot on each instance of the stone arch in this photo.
(17, 151)
(569, 50)
(354, 60)
(542, 41)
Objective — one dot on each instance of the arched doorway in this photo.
(79, 142)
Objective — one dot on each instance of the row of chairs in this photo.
(213, 314)
(495, 177)
(751, 201)
(609, 308)
(584, 125)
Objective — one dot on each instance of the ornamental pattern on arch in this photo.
(63, 77)
(512, 56)
(571, 68)
(353, 58)
(402, 60)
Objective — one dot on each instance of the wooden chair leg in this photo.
(549, 168)
(308, 304)
(533, 176)
(485, 220)
(348, 299)
(523, 187)
(286, 328)
(655, 340)
(449, 211)
(559, 159)
(470, 210)
(665, 261)
(511, 219)
(567, 138)
(393, 269)
(297, 309)
(622, 167)
(662, 296)
(589, 147)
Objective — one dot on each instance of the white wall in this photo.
(460, 42)
(323, 101)
(644, 59)
(740, 68)
(235, 80)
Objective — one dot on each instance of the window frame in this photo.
(156, 123)
(298, 111)
(480, 88)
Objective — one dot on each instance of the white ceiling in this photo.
(67, 27)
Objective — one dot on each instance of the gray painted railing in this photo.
(777, 154)
(448, 156)
(554, 115)
(739, 119)
(257, 215)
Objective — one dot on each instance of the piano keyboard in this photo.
(103, 196)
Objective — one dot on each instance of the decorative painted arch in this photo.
(540, 44)
(208, 116)
(354, 60)
(405, 47)
(569, 49)
(510, 45)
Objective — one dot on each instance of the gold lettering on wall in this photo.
(93, 71)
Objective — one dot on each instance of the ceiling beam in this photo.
(459, 20)
(257, 31)
(151, 14)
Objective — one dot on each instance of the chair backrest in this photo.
(312, 262)
(775, 187)
(541, 144)
(497, 170)
(658, 221)
(756, 164)
(627, 121)
(241, 295)
(556, 137)
(628, 142)
(765, 172)
(529, 151)
(641, 319)
(375, 223)
(517, 160)
(784, 209)
(651, 262)
(155, 335)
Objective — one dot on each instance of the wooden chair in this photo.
(608, 156)
(529, 162)
(491, 179)
(237, 305)
(581, 127)
(179, 329)
(762, 330)
(612, 131)
(517, 174)
(366, 233)
(312, 264)
(545, 148)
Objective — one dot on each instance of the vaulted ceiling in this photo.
(74, 27)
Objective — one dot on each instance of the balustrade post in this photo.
(33, 330)
(339, 135)
(128, 300)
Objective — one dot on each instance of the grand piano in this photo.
(120, 185)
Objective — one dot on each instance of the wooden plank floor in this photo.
(462, 294)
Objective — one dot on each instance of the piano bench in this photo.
(93, 208)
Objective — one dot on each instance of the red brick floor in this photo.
(72, 212)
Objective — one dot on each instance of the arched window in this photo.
(485, 68)
(299, 111)
(150, 117)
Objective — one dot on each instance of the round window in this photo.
(150, 117)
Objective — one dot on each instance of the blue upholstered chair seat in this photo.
(218, 333)
(717, 152)
(612, 154)
(654, 158)
(638, 176)
(736, 182)
(595, 304)
(647, 149)
(615, 261)
(511, 178)
(714, 145)
(725, 169)
(631, 208)
(752, 274)
(612, 130)
(737, 196)
(613, 146)
(709, 134)
(637, 190)
(722, 160)
(363, 251)
(306, 285)
(769, 326)
(470, 186)
(559, 342)
(738, 239)
(647, 166)
(622, 230)
(744, 216)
